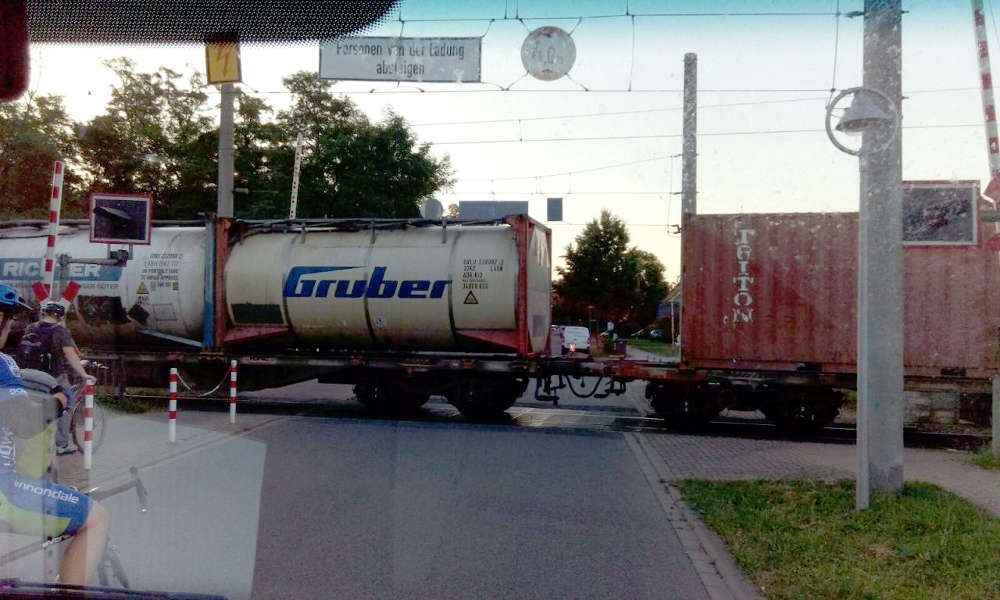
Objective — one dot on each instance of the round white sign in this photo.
(548, 53)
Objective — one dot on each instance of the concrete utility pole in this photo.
(689, 167)
(225, 198)
(880, 267)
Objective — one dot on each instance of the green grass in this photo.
(803, 539)
(984, 457)
(661, 348)
(130, 404)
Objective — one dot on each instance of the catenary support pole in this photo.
(880, 267)
(225, 197)
(689, 167)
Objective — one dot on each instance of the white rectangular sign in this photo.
(443, 60)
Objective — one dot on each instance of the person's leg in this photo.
(63, 440)
(84, 553)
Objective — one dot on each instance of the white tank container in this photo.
(161, 287)
(418, 288)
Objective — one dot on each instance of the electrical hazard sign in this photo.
(470, 298)
(142, 288)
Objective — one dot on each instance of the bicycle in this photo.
(110, 569)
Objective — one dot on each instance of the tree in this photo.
(350, 166)
(451, 212)
(605, 279)
(159, 136)
(156, 137)
(34, 133)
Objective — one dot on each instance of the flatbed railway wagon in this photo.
(769, 316)
(402, 309)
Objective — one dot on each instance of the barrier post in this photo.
(55, 207)
(232, 391)
(88, 427)
(172, 408)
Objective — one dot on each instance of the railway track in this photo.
(597, 418)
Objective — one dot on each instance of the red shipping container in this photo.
(779, 292)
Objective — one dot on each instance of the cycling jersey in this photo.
(31, 506)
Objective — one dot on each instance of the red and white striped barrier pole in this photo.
(172, 407)
(232, 391)
(55, 205)
(989, 107)
(88, 427)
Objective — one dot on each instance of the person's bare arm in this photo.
(73, 358)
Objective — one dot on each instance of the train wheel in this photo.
(804, 412)
(481, 400)
(391, 398)
(685, 407)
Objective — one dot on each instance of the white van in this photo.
(575, 339)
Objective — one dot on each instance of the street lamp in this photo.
(864, 114)
(880, 282)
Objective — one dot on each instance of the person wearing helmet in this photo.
(48, 346)
(33, 506)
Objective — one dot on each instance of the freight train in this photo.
(406, 309)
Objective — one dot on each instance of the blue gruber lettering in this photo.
(315, 282)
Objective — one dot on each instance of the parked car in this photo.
(575, 339)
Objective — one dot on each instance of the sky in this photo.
(608, 135)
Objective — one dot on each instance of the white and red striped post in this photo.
(172, 407)
(232, 391)
(88, 427)
(55, 205)
(989, 108)
(993, 187)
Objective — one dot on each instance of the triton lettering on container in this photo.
(769, 319)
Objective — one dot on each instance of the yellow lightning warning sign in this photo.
(222, 62)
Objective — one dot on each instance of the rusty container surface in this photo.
(779, 292)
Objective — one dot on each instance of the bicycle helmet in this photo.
(54, 308)
(10, 300)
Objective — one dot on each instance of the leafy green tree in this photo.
(605, 279)
(352, 167)
(34, 133)
(156, 137)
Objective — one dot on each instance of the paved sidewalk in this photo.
(723, 458)
(142, 440)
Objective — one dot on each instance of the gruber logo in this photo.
(377, 286)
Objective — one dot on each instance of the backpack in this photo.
(35, 348)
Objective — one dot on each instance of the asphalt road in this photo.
(387, 509)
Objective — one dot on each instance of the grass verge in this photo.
(984, 457)
(803, 539)
(661, 348)
(130, 404)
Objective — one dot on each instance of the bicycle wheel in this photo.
(76, 426)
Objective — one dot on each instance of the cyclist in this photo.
(32, 506)
(48, 346)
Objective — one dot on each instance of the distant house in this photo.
(670, 310)
(671, 305)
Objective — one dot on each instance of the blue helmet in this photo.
(10, 300)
